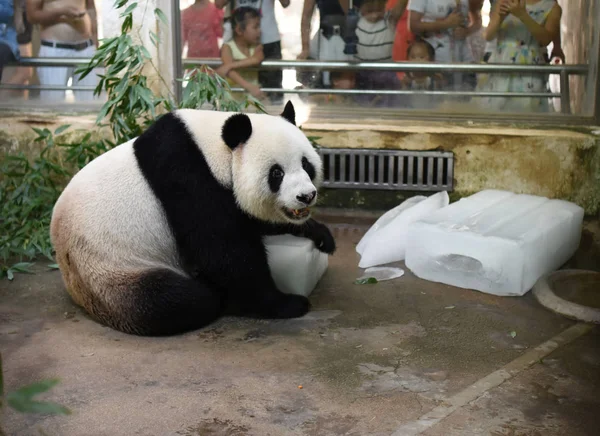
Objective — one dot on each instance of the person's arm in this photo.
(284, 3)
(36, 14)
(220, 4)
(557, 48)
(543, 34)
(417, 26)
(307, 13)
(90, 7)
(476, 22)
(229, 64)
(398, 10)
(227, 58)
(496, 18)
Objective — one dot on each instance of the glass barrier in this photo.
(455, 58)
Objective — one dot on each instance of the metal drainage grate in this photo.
(387, 169)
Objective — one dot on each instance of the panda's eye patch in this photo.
(308, 167)
(276, 172)
(275, 177)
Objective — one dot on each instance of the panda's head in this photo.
(275, 170)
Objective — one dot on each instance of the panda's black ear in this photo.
(289, 113)
(236, 130)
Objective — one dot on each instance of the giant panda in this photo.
(164, 234)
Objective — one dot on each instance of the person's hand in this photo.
(439, 81)
(453, 20)
(303, 55)
(515, 7)
(406, 81)
(223, 70)
(558, 53)
(460, 33)
(256, 92)
(258, 55)
(502, 11)
(70, 13)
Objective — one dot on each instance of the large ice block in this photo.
(496, 242)
(296, 265)
(385, 242)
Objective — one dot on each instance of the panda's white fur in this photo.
(117, 245)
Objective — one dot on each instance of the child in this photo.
(243, 51)
(375, 32)
(201, 28)
(420, 51)
(339, 80)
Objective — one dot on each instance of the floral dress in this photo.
(516, 45)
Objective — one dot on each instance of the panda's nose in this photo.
(306, 198)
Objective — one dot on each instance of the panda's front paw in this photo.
(292, 306)
(322, 237)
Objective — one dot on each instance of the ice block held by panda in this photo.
(296, 265)
(494, 241)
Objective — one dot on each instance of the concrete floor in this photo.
(400, 357)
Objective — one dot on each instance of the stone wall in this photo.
(557, 163)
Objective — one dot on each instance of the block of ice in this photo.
(385, 242)
(295, 264)
(496, 242)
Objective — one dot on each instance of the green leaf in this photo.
(22, 399)
(61, 129)
(161, 16)
(22, 267)
(366, 281)
(53, 266)
(9, 275)
(36, 388)
(129, 9)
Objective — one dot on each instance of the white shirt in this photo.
(375, 40)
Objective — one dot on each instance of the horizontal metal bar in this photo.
(323, 91)
(49, 62)
(580, 69)
(405, 92)
(49, 87)
(402, 66)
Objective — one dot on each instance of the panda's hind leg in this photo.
(163, 302)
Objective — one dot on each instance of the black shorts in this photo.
(25, 37)
(6, 56)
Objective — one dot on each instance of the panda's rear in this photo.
(108, 230)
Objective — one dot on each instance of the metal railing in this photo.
(563, 70)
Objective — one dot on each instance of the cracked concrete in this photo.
(369, 358)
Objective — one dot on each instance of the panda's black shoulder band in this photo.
(236, 130)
